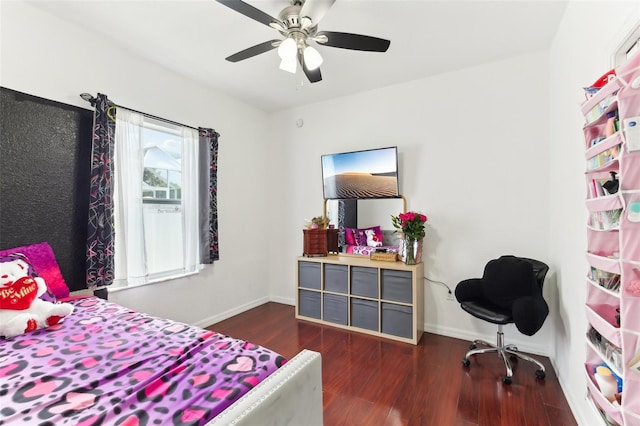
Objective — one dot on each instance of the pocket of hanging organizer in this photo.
(601, 317)
(630, 171)
(630, 227)
(632, 377)
(603, 155)
(630, 70)
(604, 279)
(602, 184)
(631, 340)
(604, 247)
(602, 350)
(604, 212)
(603, 313)
(610, 410)
(609, 264)
(630, 286)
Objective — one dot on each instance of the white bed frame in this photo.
(292, 395)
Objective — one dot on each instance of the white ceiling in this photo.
(427, 37)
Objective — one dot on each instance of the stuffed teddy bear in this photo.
(372, 239)
(21, 308)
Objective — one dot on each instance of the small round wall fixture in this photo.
(299, 122)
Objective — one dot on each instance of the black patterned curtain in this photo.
(100, 237)
(210, 250)
(341, 239)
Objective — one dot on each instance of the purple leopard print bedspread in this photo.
(106, 364)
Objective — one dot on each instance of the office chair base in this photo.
(502, 350)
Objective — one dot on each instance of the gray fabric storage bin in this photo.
(364, 314)
(309, 303)
(335, 278)
(397, 320)
(335, 308)
(396, 285)
(309, 275)
(364, 281)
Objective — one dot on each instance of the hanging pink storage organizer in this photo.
(613, 241)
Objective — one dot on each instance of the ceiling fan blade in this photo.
(253, 51)
(352, 41)
(315, 75)
(249, 11)
(315, 9)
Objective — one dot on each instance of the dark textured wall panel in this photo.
(45, 151)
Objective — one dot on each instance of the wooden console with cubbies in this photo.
(380, 298)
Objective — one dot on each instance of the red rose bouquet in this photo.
(411, 224)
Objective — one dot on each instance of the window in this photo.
(156, 199)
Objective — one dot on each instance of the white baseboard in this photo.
(283, 300)
(206, 322)
(457, 333)
(571, 396)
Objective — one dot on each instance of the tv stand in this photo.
(379, 298)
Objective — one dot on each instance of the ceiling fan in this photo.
(298, 24)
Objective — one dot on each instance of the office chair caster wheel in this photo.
(472, 346)
(466, 362)
(540, 374)
(506, 380)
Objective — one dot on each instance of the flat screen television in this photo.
(371, 173)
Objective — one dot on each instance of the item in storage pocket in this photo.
(607, 384)
(607, 280)
(631, 128)
(633, 214)
(604, 220)
(611, 186)
(610, 128)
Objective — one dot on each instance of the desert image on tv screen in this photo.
(362, 174)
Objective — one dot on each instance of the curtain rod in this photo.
(87, 97)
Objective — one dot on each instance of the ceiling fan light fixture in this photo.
(288, 49)
(289, 65)
(305, 22)
(312, 58)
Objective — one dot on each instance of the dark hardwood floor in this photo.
(374, 381)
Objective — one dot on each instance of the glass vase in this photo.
(412, 250)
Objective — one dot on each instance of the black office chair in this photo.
(510, 291)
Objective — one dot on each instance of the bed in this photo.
(107, 364)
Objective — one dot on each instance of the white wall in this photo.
(581, 53)
(473, 157)
(44, 56)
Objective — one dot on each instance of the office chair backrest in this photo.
(540, 269)
(507, 279)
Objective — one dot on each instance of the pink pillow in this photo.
(349, 237)
(43, 260)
